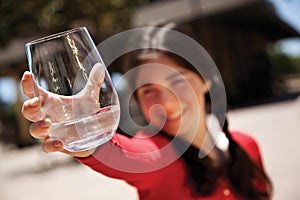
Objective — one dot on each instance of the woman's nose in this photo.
(169, 100)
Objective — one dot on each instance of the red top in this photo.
(153, 166)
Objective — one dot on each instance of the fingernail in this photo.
(24, 77)
(34, 102)
(56, 144)
(43, 135)
(46, 123)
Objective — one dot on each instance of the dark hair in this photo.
(239, 169)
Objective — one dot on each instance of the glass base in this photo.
(89, 143)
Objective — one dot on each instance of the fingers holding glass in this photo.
(40, 129)
(74, 89)
(31, 109)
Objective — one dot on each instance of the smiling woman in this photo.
(186, 150)
(166, 86)
(176, 90)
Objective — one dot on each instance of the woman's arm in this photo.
(128, 158)
(121, 157)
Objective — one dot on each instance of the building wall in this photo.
(241, 56)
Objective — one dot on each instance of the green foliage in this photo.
(282, 63)
(296, 61)
(28, 18)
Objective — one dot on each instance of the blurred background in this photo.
(255, 44)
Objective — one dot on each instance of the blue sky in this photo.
(289, 11)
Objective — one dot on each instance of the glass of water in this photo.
(75, 89)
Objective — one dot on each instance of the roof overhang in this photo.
(248, 13)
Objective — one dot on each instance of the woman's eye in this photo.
(147, 91)
(178, 82)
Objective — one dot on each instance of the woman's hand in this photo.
(31, 108)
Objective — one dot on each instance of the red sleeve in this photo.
(126, 158)
(250, 145)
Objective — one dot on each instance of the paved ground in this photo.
(32, 174)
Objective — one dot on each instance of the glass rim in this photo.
(55, 35)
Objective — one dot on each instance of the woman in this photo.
(179, 155)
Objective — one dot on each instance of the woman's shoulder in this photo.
(249, 144)
(243, 138)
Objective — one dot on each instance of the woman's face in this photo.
(171, 96)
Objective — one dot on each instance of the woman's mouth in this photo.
(176, 116)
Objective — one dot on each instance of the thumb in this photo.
(87, 100)
(96, 77)
(94, 82)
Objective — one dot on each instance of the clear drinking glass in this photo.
(75, 89)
